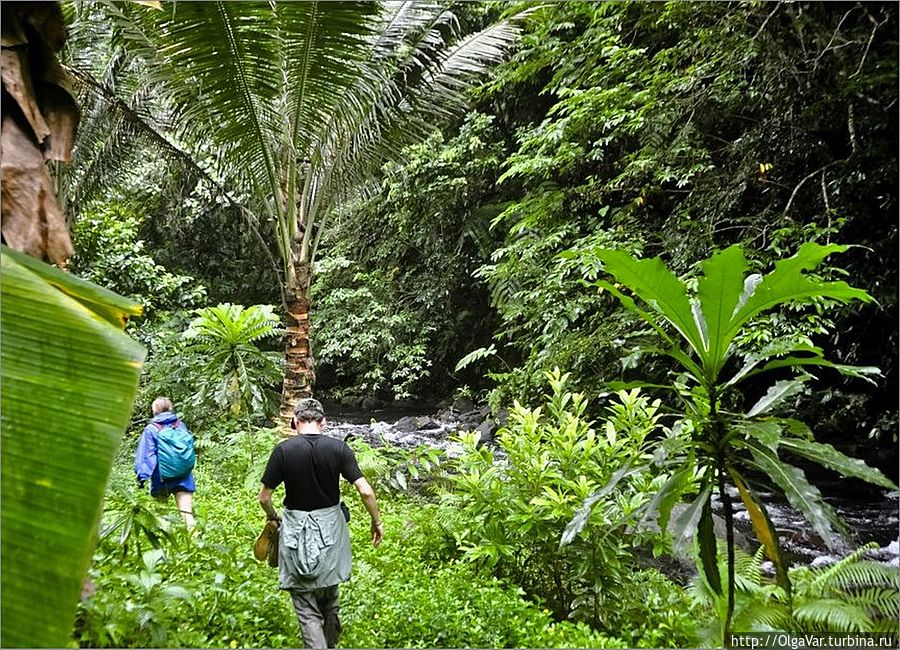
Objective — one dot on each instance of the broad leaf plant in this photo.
(711, 444)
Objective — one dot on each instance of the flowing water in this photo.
(870, 514)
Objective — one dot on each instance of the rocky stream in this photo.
(871, 514)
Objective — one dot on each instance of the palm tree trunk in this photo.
(299, 366)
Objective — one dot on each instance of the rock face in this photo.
(411, 423)
(462, 405)
(406, 424)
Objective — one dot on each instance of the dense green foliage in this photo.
(154, 586)
(598, 214)
(850, 596)
(419, 239)
(368, 341)
(659, 128)
(111, 253)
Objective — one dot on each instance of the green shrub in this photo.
(511, 515)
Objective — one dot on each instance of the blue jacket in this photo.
(145, 465)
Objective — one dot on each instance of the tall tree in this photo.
(299, 103)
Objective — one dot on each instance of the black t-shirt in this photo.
(310, 465)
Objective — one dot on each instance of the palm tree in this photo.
(232, 369)
(299, 103)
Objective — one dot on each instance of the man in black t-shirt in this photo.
(314, 543)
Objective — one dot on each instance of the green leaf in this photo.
(776, 394)
(706, 540)
(684, 526)
(475, 355)
(401, 479)
(174, 591)
(859, 372)
(768, 432)
(778, 347)
(800, 493)
(829, 457)
(788, 282)
(719, 290)
(665, 498)
(583, 513)
(110, 306)
(69, 379)
(656, 285)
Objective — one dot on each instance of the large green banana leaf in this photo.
(69, 377)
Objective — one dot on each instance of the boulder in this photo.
(679, 568)
(470, 419)
(487, 429)
(427, 424)
(372, 403)
(462, 405)
(406, 424)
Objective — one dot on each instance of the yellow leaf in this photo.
(763, 529)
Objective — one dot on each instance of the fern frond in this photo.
(852, 572)
(880, 602)
(832, 615)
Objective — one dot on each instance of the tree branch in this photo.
(787, 208)
(862, 61)
(766, 21)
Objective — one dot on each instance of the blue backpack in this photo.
(174, 450)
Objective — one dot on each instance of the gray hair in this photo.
(309, 410)
(161, 405)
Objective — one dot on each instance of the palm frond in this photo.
(429, 82)
(217, 65)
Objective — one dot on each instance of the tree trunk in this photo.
(299, 366)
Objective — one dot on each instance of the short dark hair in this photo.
(309, 410)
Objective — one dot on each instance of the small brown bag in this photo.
(266, 546)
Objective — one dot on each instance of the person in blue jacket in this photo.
(145, 465)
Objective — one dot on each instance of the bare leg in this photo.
(185, 503)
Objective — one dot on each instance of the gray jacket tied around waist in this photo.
(314, 549)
